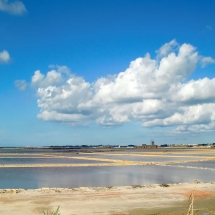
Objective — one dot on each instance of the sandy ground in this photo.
(132, 200)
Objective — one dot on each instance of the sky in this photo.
(105, 72)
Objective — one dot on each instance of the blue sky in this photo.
(66, 76)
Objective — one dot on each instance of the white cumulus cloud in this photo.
(206, 60)
(153, 91)
(4, 57)
(16, 7)
(167, 47)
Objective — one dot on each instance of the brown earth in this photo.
(130, 200)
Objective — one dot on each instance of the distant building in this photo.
(152, 146)
(153, 142)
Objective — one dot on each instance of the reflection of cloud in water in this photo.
(99, 176)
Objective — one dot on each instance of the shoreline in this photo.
(110, 162)
(112, 187)
(123, 200)
(145, 195)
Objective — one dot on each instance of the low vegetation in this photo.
(52, 213)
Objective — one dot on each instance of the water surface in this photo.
(66, 177)
(205, 164)
(144, 158)
(25, 160)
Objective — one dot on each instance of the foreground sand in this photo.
(133, 200)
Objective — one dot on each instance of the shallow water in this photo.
(65, 177)
(191, 155)
(144, 158)
(25, 160)
(23, 151)
(94, 176)
(205, 164)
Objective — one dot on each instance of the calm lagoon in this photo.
(144, 158)
(67, 177)
(205, 164)
(26, 160)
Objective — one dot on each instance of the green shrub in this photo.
(53, 213)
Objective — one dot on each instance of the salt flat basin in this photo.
(22, 155)
(194, 154)
(66, 177)
(205, 164)
(23, 151)
(27, 160)
(142, 158)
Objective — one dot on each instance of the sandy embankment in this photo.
(107, 162)
(131, 200)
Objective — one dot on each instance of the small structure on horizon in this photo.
(152, 142)
(152, 146)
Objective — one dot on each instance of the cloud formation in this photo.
(153, 91)
(207, 60)
(21, 84)
(15, 8)
(4, 57)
